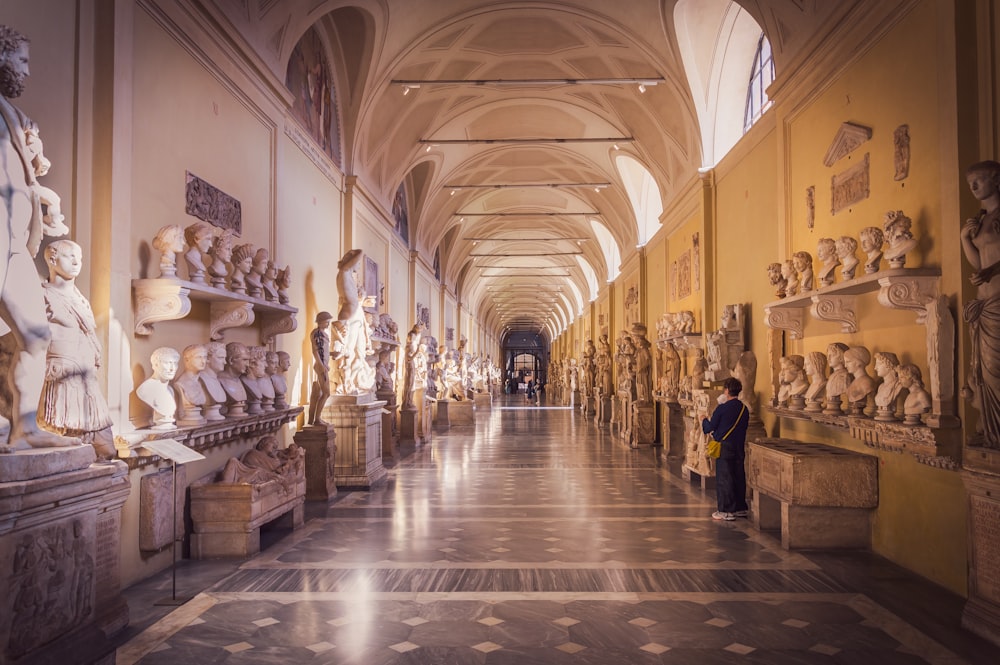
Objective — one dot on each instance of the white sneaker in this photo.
(728, 517)
(741, 513)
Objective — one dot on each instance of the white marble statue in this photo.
(215, 394)
(156, 391)
(898, 237)
(358, 376)
(791, 277)
(72, 403)
(643, 362)
(260, 390)
(267, 282)
(847, 248)
(872, 240)
(255, 276)
(190, 390)
(839, 379)
(826, 254)
(29, 211)
(199, 237)
(410, 349)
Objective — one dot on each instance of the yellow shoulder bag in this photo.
(714, 448)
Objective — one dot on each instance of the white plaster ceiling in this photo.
(543, 254)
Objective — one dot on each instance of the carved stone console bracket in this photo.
(913, 292)
(780, 318)
(169, 299)
(839, 309)
(130, 445)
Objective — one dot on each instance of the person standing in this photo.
(729, 425)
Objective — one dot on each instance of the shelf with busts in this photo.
(910, 289)
(169, 299)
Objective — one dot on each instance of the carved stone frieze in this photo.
(923, 443)
(851, 186)
(226, 315)
(849, 136)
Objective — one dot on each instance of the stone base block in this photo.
(321, 453)
(483, 400)
(442, 414)
(982, 617)
(809, 527)
(603, 414)
(359, 442)
(409, 426)
(461, 413)
(390, 440)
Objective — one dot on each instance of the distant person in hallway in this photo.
(729, 425)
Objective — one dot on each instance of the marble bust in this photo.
(215, 394)
(839, 379)
(803, 263)
(862, 386)
(898, 237)
(886, 364)
(231, 379)
(258, 386)
(156, 391)
(199, 237)
(791, 277)
(281, 363)
(221, 253)
(189, 388)
(918, 400)
(169, 242)
(777, 279)
(282, 280)
(847, 248)
(255, 276)
(815, 368)
(872, 240)
(793, 382)
(242, 262)
(826, 254)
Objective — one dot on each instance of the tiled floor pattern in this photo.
(533, 537)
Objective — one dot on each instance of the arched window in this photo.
(761, 76)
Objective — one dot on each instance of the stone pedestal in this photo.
(409, 426)
(589, 405)
(60, 556)
(442, 414)
(643, 430)
(982, 610)
(820, 496)
(461, 413)
(390, 442)
(671, 428)
(603, 412)
(483, 401)
(358, 422)
(426, 420)
(318, 442)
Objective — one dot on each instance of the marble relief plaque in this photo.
(986, 547)
(850, 186)
(210, 204)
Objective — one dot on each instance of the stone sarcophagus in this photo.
(819, 495)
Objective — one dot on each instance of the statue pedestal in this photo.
(442, 414)
(461, 413)
(602, 413)
(390, 443)
(426, 420)
(409, 426)
(982, 610)
(671, 428)
(321, 453)
(61, 553)
(484, 401)
(358, 422)
(589, 405)
(643, 431)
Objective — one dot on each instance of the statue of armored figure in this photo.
(643, 363)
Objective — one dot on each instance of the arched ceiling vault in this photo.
(526, 257)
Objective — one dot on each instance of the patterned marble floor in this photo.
(536, 537)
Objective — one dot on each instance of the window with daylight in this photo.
(761, 76)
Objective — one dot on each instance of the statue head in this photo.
(871, 238)
(846, 246)
(164, 361)
(237, 356)
(243, 257)
(169, 240)
(195, 358)
(984, 178)
(200, 235)
(64, 258)
(13, 62)
(284, 361)
(826, 249)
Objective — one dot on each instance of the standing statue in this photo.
(72, 403)
(320, 341)
(156, 391)
(671, 380)
(359, 377)
(643, 360)
(981, 245)
(603, 362)
(409, 358)
(30, 210)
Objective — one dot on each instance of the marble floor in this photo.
(536, 537)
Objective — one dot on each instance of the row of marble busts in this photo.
(218, 381)
(212, 257)
(805, 384)
(892, 242)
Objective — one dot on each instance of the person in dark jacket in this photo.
(732, 417)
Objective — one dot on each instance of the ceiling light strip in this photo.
(529, 141)
(524, 185)
(417, 83)
(524, 214)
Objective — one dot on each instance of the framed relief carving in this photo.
(684, 275)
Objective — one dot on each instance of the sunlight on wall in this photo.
(612, 253)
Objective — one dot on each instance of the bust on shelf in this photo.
(199, 237)
(826, 254)
(862, 386)
(872, 240)
(839, 379)
(189, 386)
(887, 395)
(900, 240)
(220, 253)
(847, 248)
(242, 262)
(815, 368)
(156, 391)
(231, 378)
(215, 394)
(169, 242)
(918, 400)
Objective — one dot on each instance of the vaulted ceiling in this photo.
(532, 188)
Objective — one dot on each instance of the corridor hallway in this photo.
(537, 537)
